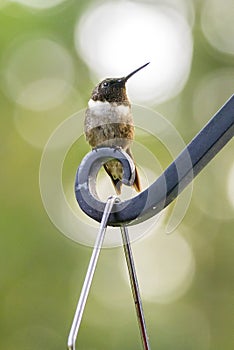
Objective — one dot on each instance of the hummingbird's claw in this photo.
(95, 149)
(117, 148)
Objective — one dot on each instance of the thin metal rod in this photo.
(135, 287)
(89, 275)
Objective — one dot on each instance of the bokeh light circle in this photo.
(115, 38)
(37, 73)
(3, 3)
(230, 186)
(184, 7)
(65, 214)
(39, 4)
(211, 194)
(211, 92)
(166, 266)
(218, 25)
(35, 127)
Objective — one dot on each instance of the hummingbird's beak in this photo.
(134, 72)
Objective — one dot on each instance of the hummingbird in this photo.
(109, 123)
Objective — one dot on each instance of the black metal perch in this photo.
(175, 178)
(199, 152)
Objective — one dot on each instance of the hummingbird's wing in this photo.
(115, 170)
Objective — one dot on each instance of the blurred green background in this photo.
(47, 71)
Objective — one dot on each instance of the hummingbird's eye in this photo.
(105, 84)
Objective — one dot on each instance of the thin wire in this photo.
(135, 288)
(89, 275)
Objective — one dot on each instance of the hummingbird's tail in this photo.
(137, 183)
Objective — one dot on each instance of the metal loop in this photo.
(85, 183)
(206, 144)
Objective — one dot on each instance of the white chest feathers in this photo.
(109, 112)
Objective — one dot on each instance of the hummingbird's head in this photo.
(113, 89)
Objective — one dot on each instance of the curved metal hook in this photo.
(85, 183)
(206, 144)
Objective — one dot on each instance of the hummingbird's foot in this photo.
(96, 148)
(117, 148)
